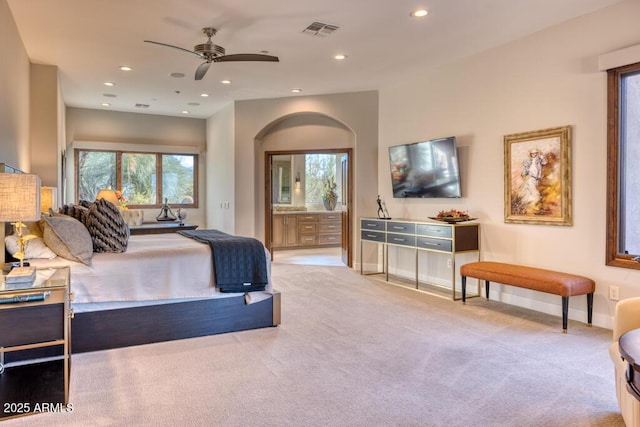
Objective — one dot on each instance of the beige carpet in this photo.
(355, 352)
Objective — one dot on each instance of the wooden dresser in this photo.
(307, 230)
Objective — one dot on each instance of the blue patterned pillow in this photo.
(107, 227)
(77, 211)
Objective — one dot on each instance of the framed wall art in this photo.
(537, 177)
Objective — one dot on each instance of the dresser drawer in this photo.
(401, 227)
(307, 217)
(434, 230)
(330, 239)
(434, 244)
(330, 227)
(372, 224)
(307, 239)
(307, 227)
(334, 217)
(31, 324)
(373, 236)
(401, 239)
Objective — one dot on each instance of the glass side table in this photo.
(35, 344)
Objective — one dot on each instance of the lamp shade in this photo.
(48, 198)
(109, 195)
(19, 197)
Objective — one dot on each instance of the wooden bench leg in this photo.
(565, 313)
(464, 289)
(589, 308)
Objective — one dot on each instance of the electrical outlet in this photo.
(614, 293)
(449, 263)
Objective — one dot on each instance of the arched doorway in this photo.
(300, 134)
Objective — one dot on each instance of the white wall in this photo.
(15, 148)
(44, 122)
(220, 170)
(546, 80)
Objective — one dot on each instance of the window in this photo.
(145, 179)
(318, 169)
(623, 177)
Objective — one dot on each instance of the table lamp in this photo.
(109, 195)
(48, 199)
(19, 201)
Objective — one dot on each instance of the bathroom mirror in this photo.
(281, 179)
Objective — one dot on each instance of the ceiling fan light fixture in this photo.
(210, 53)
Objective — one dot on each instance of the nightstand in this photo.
(35, 319)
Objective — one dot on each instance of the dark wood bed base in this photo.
(105, 329)
(124, 327)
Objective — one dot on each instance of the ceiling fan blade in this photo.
(174, 47)
(246, 57)
(202, 70)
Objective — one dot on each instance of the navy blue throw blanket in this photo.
(239, 263)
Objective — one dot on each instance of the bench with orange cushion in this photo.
(552, 282)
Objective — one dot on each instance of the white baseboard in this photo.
(553, 308)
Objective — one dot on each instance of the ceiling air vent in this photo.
(142, 105)
(319, 29)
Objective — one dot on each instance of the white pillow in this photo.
(33, 248)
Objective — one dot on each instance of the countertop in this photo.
(309, 211)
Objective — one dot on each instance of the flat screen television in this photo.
(425, 169)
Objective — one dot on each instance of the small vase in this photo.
(329, 204)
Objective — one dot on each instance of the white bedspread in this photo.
(154, 267)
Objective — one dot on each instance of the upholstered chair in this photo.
(626, 318)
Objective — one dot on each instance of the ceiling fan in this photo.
(213, 53)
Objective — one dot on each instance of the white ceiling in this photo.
(89, 39)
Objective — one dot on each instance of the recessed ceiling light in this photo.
(193, 104)
(296, 90)
(420, 13)
(339, 56)
(126, 68)
(106, 104)
(185, 112)
(204, 95)
(109, 84)
(109, 95)
(177, 75)
(225, 82)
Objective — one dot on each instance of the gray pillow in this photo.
(68, 238)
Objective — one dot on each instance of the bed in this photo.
(162, 288)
